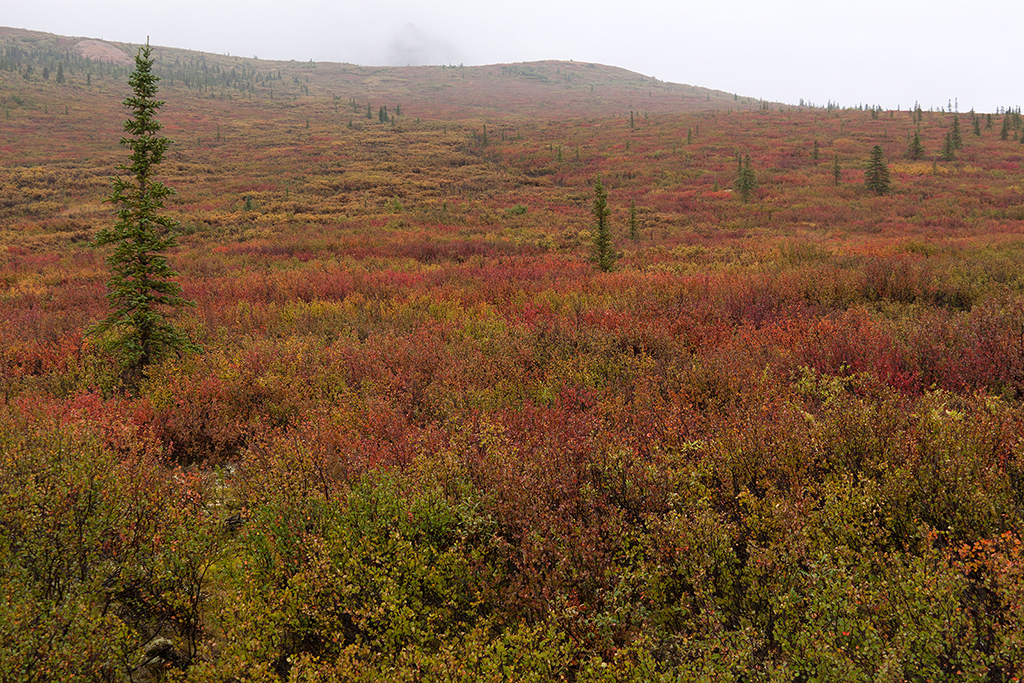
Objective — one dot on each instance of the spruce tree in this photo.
(948, 147)
(876, 177)
(746, 180)
(634, 228)
(916, 149)
(837, 171)
(954, 134)
(141, 290)
(604, 255)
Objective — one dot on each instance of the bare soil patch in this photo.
(102, 52)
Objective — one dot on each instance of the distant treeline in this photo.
(49, 62)
(35, 61)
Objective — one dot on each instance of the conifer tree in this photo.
(604, 256)
(954, 134)
(837, 171)
(948, 147)
(141, 289)
(746, 180)
(876, 177)
(916, 149)
(634, 230)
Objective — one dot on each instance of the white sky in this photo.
(885, 52)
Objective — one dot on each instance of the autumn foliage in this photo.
(427, 439)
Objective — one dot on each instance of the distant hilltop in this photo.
(553, 89)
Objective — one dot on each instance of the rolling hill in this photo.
(560, 89)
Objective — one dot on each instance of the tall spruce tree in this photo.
(141, 291)
(916, 149)
(948, 147)
(634, 227)
(746, 180)
(837, 171)
(954, 134)
(876, 176)
(604, 256)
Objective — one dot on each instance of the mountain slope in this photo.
(558, 89)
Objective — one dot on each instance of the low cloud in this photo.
(412, 47)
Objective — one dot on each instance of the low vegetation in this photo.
(428, 438)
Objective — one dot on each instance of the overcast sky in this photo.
(886, 52)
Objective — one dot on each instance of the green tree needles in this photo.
(876, 176)
(604, 256)
(746, 180)
(140, 290)
(915, 150)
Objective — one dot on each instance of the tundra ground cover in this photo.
(428, 440)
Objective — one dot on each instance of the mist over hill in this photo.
(424, 69)
(412, 47)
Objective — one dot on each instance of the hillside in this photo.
(422, 437)
(559, 89)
